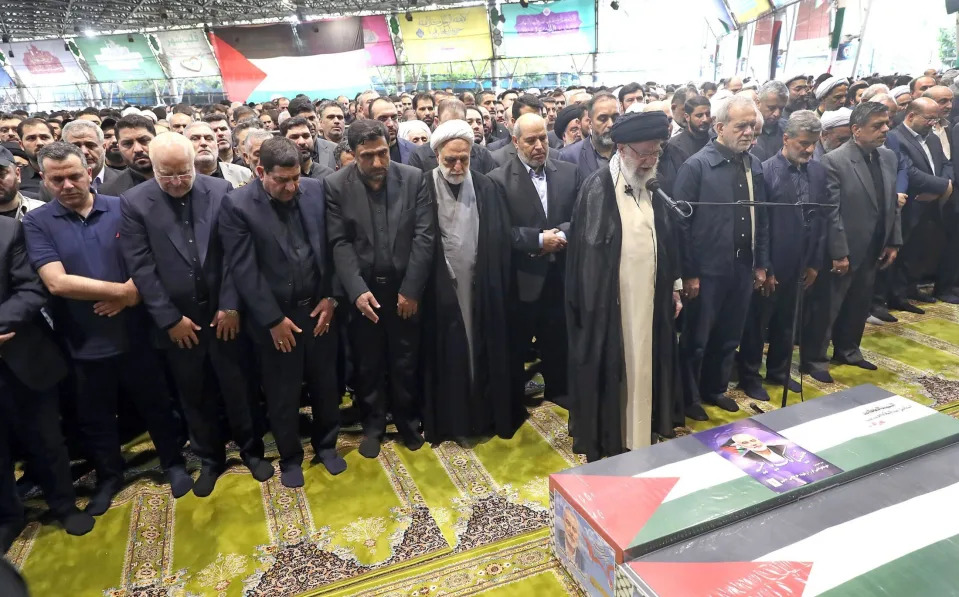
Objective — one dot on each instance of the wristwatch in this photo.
(232, 312)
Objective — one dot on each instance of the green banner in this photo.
(115, 58)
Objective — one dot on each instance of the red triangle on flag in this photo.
(715, 579)
(617, 507)
(240, 76)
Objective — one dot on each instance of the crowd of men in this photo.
(217, 267)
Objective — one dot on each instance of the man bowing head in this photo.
(621, 301)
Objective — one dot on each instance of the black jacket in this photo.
(31, 355)
(158, 258)
(528, 219)
(126, 180)
(677, 150)
(786, 226)
(257, 251)
(349, 225)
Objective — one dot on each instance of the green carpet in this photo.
(442, 520)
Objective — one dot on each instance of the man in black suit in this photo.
(540, 194)
(86, 135)
(134, 133)
(275, 239)
(381, 225)
(424, 158)
(930, 180)
(503, 150)
(30, 368)
(171, 244)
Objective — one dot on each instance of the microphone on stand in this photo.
(680, 207)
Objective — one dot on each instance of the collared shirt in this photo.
(799, 176)
(24, 204)
(742, 220)
(875, 172)
(940, 131)
(382, 255)
(925, 148)
(539, 183)
(218, 171)
(30, 181)
(183, 210)
(395, 153)
(87, 247)
(302, 266)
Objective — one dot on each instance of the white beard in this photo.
(637, 182)
(451, 178)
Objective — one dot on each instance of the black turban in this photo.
(564, 117)
(641, 126)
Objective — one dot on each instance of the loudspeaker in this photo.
(952, 6)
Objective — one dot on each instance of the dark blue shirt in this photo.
(87, 247)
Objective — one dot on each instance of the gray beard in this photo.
(637, 182)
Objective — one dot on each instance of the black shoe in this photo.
(901, 305)
(881, 313)
(9, 533)
(370, 447)
(413, 442)
(822, 376)
(292, 476)
(206, 481)
(102, 497)
(76, 522)
(862, 364)
(949, 297)
(922, 297)
(260, 468)
(724, 402)
(333, 462)
(180, 482)
(754, 389)
(794, 385)
(696, 412)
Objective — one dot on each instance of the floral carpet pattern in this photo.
(444, 520)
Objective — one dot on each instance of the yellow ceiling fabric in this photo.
(452, 35)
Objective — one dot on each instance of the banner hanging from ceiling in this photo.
(187, 53)
(377, 41)
(320, 59)
(745, 11)
(542, 29)
(45, 63)
(114, 58)
(453, 35)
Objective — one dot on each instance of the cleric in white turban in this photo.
(831, 94)
(465, 351)
(835, 131)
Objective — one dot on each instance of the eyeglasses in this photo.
(645, 156)
(175, 177)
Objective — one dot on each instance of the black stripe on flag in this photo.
(307, 39)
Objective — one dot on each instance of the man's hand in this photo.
(325, 310)
(227, 325)
(889, 255)
(901, 198)
(366, 302)
(690, 288)
(282, 333)
(405, 307)
(184, 332)
(552, 241)
(948, 192)
(840, 266)
(768, 286)
(677, 304)
(128, 296)
(809, 278)
(759, 278)
(131, 296)
(5, 337)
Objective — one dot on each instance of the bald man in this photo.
(540, 194)
(171, 244)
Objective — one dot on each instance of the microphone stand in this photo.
(797, 309)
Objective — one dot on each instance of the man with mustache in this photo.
(297, 129)
(111, 151)
(540, 194)
(381, 228)
(34, 133)
(332, 122)
(799, 95)
(681, 147)
(773, 96)
(207, 160)
(134, 133)
(791, 176)
(593, 152)
(89, 138)
(224, 137)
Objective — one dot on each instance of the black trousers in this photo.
(138, 374)
(201, 408)
(312, 361)
(714, 327)
(838, 308)
(386, 356)
(32, 419)
(545, 319)
(775, 314)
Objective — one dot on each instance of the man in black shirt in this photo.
(134, 133)
(297, 129)
(274, 234)
(691, 139)
(34, 134)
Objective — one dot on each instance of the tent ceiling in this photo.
(37, 19)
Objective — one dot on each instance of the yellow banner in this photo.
(447, 36)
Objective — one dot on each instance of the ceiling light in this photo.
(89, 32)
(130, 37)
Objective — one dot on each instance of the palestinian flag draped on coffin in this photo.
(320, 59)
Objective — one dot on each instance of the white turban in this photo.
(130, 110)
(901, 90)
(149, 114)
(406, 127)
(828, 85)
(449, 130)
(835, 118)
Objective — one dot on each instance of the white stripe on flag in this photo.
(322, 71)
(853, 548)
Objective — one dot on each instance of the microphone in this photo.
(682, 208)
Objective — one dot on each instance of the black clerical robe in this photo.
(597, 375)
(452, 406)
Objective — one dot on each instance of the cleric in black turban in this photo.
(621, 274)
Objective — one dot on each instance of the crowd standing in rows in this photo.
(217, 267)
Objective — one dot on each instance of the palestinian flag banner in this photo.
(321, 59)
(628, 507)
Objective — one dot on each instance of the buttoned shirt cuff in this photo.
(540, 240)
(678, 285)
